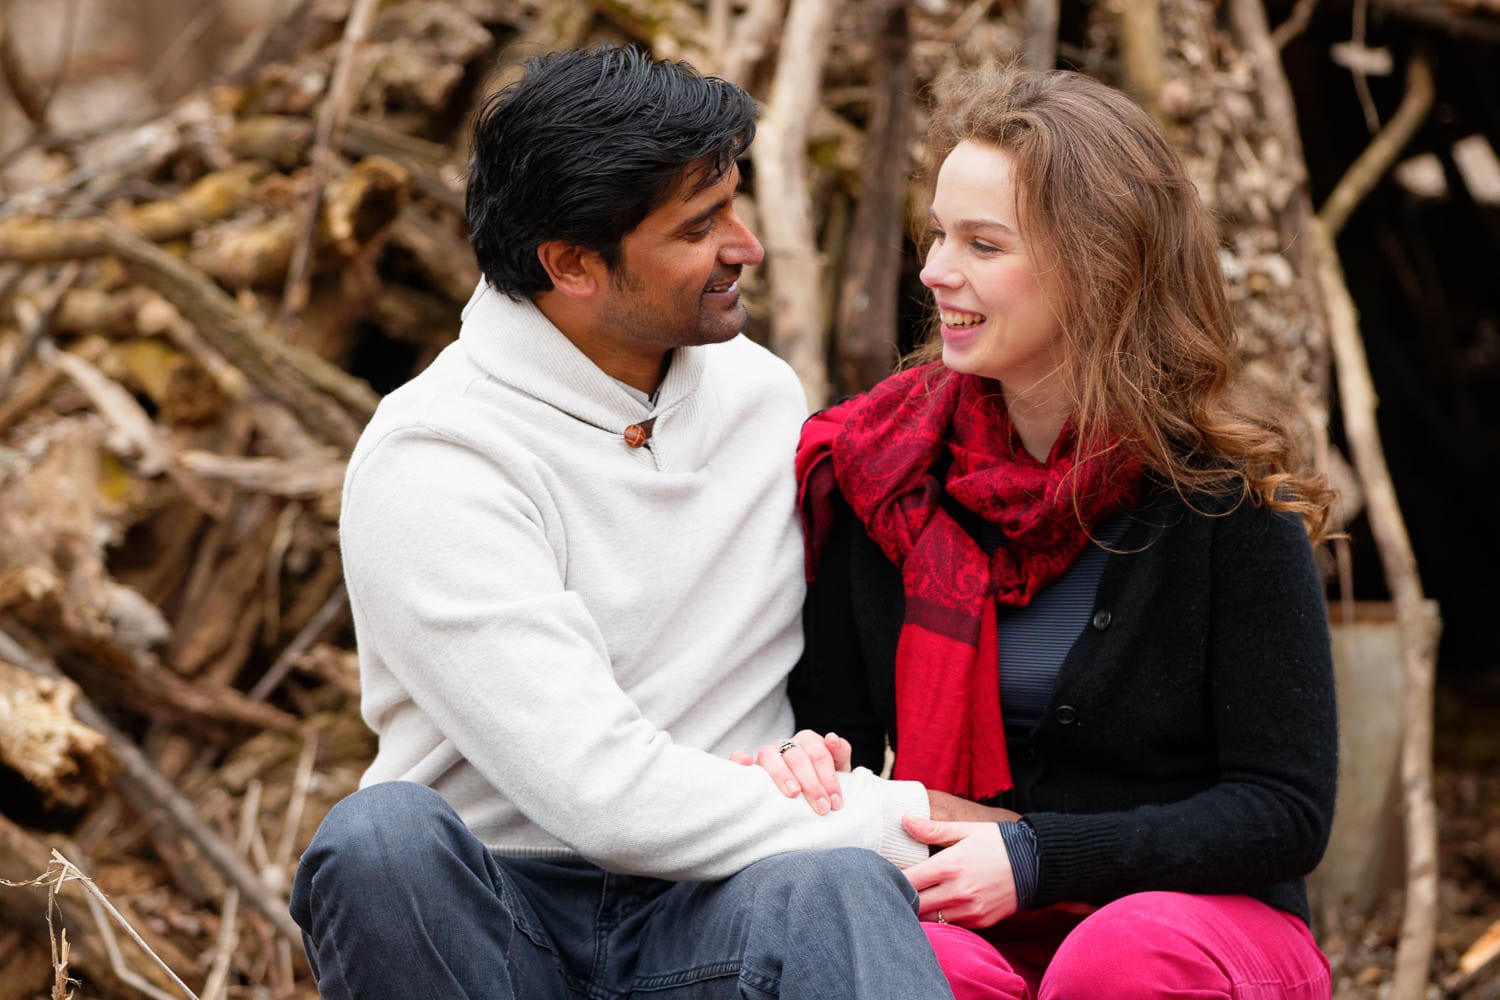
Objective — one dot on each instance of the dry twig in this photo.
(38, 325)
(1477, 959)
(1295, 23)
(330, 124)
(63, 871)
(149, 785)
(1376, 160)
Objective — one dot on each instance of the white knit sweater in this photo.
(566, 636)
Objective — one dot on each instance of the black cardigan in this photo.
(1191, 741)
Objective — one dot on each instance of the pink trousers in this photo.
(1147, 945)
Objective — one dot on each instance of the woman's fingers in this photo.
(779, 769)
(824, 764)
(790, 758)
(933, 832)
(931, 903)
(971, 882)
(806, 765)
(841, 750)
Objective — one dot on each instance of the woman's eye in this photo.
(984, 247)
(935, 235)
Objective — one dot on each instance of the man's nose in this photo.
(742, 248)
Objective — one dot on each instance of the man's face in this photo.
(677, 281)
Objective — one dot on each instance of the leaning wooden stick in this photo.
(1418, 619)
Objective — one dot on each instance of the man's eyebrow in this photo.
(705, 215)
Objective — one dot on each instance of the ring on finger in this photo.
(941, 919)
(785, 746)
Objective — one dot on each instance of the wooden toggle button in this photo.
(638, 434)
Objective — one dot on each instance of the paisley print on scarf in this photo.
(894, 454)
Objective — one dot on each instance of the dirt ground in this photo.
(1467, 789)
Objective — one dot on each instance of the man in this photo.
(576, 578)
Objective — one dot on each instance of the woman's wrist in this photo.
(1020, 846)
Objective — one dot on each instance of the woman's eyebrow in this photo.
(978, 223)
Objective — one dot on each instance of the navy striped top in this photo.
(1035, 639)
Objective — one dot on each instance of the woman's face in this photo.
(996, 321)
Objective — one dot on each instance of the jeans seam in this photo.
(511, 901)
(695, 974)
(332, 939)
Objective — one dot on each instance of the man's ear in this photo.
(575, 272)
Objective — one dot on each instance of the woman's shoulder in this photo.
(1232, 512)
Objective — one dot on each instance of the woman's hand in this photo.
(805, 765)
(970, 882)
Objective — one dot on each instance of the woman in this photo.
(1076, 487)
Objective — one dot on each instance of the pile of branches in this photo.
(198, 308)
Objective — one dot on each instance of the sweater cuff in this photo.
(903, 798)
(1020, 845)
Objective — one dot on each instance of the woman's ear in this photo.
(575, 272)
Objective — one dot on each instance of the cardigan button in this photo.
(1065, 715)
(1101, 620)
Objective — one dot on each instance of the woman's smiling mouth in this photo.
(960, 320)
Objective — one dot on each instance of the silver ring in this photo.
(942, 919)
(785, 746)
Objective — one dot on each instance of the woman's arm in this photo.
(1269, 696)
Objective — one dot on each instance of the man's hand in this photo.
(970, 882)
(952, 809)
(806, 767)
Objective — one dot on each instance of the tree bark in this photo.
(866, 326)
(794, 264)
(1143, 52)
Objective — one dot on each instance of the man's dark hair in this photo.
(584, 146)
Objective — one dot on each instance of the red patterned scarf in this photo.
(884, 452)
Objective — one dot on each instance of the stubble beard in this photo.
(638, 320)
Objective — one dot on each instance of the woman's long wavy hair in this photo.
(1128, 259)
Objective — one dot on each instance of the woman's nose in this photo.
(939, 272)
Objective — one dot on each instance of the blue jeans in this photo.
(396, 898)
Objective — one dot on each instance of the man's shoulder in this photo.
(426, 400)
(451, 403)
(752, 367)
